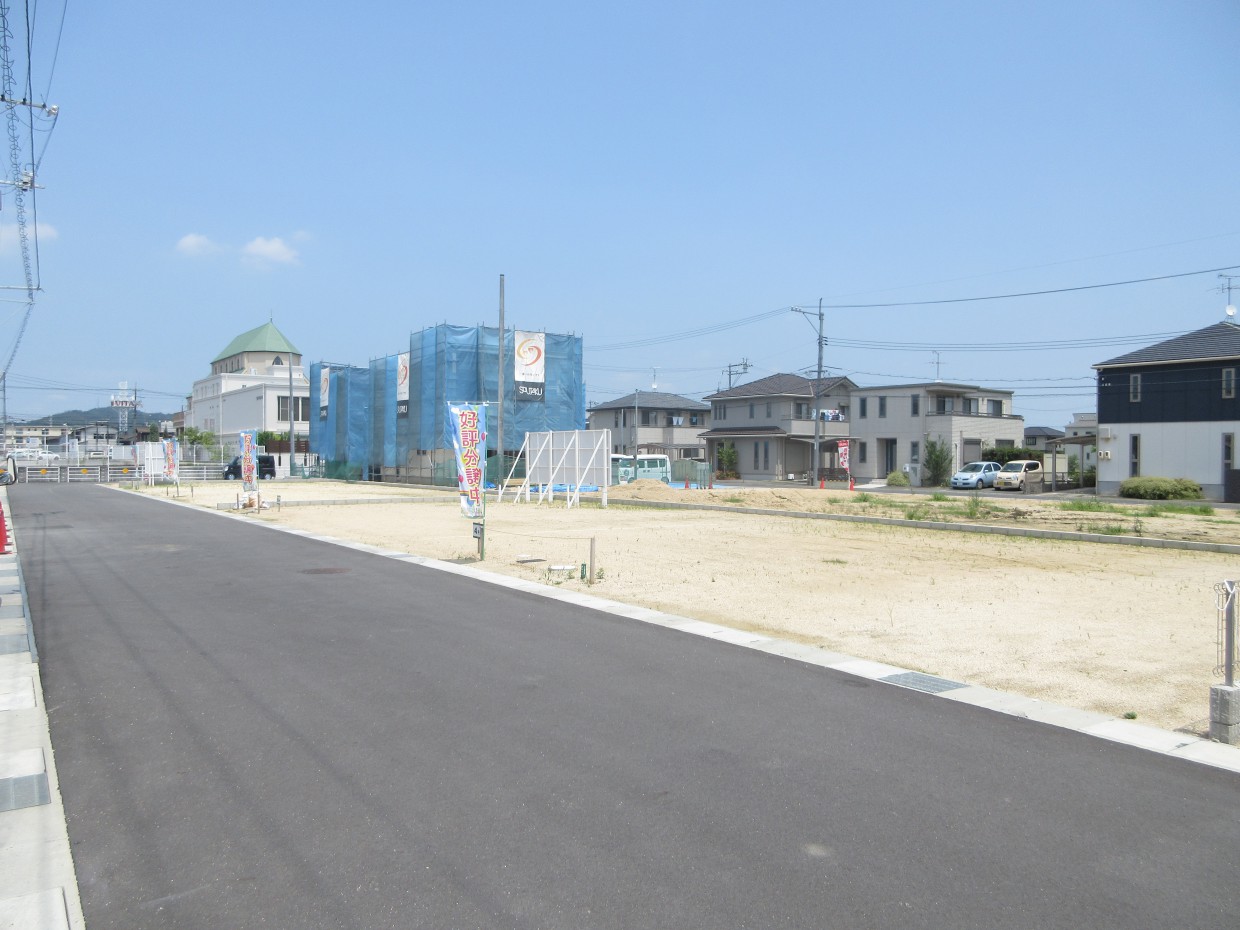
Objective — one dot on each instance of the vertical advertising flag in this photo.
(325, 383)
(172, 458)
(468, 423)
(249, 458)
(530, 360)
(844, 455)
(402, 384)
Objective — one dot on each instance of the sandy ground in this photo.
(1110, 628)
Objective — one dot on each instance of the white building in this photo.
(249, 388)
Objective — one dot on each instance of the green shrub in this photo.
(1196, 510)
(897, 479)
(1161, 489)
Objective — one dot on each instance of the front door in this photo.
(889, 457)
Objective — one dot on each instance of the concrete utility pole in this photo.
(813, 477)
(736, 368)
(499, 433)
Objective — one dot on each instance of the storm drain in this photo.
(24, 791)
(930, 684)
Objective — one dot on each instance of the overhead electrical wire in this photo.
(733, 324)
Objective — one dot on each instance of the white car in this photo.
(1014, 474)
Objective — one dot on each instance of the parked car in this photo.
(1014, 474)
(266, 468)
(976, 475)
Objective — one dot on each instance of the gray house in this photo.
(655, 422)
(771, 423)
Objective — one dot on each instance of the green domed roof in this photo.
(265, 338)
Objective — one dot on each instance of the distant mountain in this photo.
(106, 414)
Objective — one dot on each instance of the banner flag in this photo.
(249, 458)
(325, 383)
(172, 458)
(844, 455)
(402, 384)
(468, 424)
(530, 360)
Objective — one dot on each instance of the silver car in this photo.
(976, 475)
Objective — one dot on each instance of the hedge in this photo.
(1161, 489)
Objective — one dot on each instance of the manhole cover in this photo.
(323, 571)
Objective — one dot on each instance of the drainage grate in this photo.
(24, 791)
(920, 682)
(324, 571)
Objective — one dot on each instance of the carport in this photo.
(1082, 441)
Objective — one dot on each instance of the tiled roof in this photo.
(781, 384)
(658, 400)
(265, 338)
(1222, 340)
(1048, 431)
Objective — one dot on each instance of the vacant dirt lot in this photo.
(1109, 628)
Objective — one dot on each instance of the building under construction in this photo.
(388, 421)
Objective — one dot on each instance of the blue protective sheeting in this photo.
(357, 423)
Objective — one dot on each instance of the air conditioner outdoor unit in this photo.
(1104, 454)
(1105, 433)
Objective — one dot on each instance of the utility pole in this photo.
(499, 433)
(736, 368)
(813, 477)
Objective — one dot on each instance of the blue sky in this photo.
(635, 171)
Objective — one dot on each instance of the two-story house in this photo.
(771, 424)
(890, 425)
(656, 422)
(1170, 410)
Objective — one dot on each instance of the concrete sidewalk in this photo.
(38, 887)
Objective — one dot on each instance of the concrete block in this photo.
(1225, 704)
(1228, 733)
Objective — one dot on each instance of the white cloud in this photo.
(9, 240)
(270, 251)
(195, 244)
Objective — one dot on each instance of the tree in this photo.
(937, 462)
(727, 460)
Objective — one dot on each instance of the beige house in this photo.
(891, 424)
(656, 422)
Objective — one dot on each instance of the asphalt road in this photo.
(255, 729)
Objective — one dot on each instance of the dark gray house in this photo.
(1170, 410)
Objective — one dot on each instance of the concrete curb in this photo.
(38, 885)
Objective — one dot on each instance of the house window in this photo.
(766, 455)
(970, 405)
(301, 408)
(1134, 453)
(1229, 454)
(1229, 383)
(861, 410)
(914, 452)
(1134, 388)
(751, 410)
(695, 419)
(861, 452)
(768, 409)
(755, 455)
(645, 418)
(915, 405)
(882, 406)
(944, 404)
(994, 408)
(720, 412)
